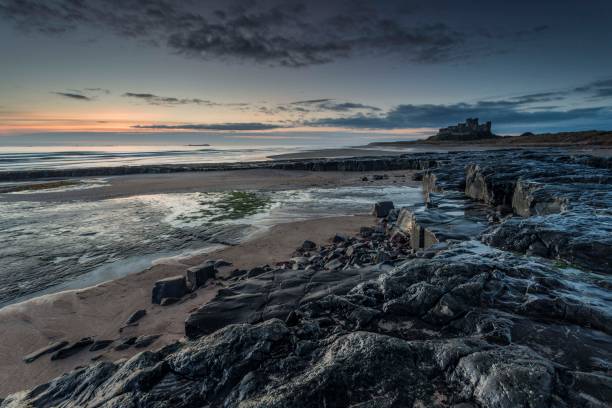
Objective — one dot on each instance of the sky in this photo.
(395, 69)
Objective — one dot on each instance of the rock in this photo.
(308, 246)
(136, 316)
(100, 344)
(197, 276)
(255, 272)
(174, 287)
(72, 349)
(382, 208)
(145, 340)
(220, 263)
(339, 238)
(51, 348)
(513, 376)
(366, 231)
(126, 343)
(334, 264)
(168, 301)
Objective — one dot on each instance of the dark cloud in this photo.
(218, 126)
(501, 112)
(285, 33)
(311, 102)
(152, 99)
(98, 90)
(598, 89)
(76, 96)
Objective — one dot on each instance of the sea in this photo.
(48, 247)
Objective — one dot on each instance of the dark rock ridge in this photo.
(427, 309)
(353, 164)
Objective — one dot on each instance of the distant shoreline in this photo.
(561, 139)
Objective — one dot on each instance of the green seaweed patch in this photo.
(235, 205)
(39, 186)
(561, 264)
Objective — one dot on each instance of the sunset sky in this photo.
(394, 68)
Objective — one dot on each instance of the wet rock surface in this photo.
(436, 306)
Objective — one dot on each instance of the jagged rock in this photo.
(51, 348)
(382, 208)
(321, 356)
(72, 349)
(507, 377)
(197, 276)
(174, 287)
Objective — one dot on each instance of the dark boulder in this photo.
(382, 208)
(197, 276)
(72, 349)
(173, 287)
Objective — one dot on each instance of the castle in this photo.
(469, 130)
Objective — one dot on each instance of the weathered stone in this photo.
(51, 348)
(126, 343)
(168, 301)
(100, 344)
(220, 263)
(382, 208)
(174, 287)
(308, 245)
(197, 276)
(146, 340)
(72, 349)
(136, 316)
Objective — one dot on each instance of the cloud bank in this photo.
(281, 33)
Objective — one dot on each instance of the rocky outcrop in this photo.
(378, 163)
(459, 328)
(174, 287)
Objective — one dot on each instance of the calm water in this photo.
(49, 247)
(26, 158)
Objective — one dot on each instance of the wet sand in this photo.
(213, 181)
(100, 311)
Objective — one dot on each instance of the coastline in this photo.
(101, 310)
